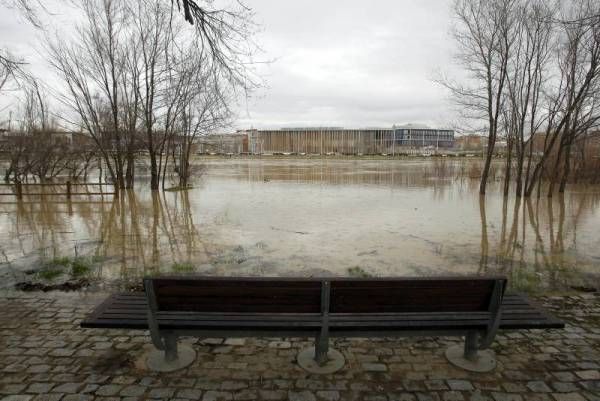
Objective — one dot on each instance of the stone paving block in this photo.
(568, 397)
(12, 388)
(301, 396)
(506, 397)
(272, 395)
(162, 393)
(589, 374)
(189, 393)
(478, 396)
(374, 367)
(132, 391)
(108, 389)
(217, 396)
(233, 385)
(328, 395)
(19, 397)
(77, 397)
(244, 395)
(452, 396)
(564, 387)
(40, 388)
(459, 385)
(591, 385)
(435, 385)
(402, 397)
(538, 387)
(48, 397)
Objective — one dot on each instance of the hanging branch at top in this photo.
(227, 35)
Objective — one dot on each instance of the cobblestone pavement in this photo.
(44, 355)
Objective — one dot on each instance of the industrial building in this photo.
(331, 140)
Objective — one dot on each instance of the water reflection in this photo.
(314, 217)
(531, 246)
(131, 237)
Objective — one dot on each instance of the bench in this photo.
(320, 308)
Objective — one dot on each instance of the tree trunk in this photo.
(486, 167)
(154, 173)
(555, 172)
(130, 171)
(508, 168)
(567, 168)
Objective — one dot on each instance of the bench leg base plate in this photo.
(335, 361)
(156, 361)
(484, 361)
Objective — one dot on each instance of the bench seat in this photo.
(129, 311)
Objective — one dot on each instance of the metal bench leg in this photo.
(173, 357)
(470, 351)
(321, 347)
(170, 347)
(321, 359)
(470, 357)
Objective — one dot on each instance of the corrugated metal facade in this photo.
(346, 141)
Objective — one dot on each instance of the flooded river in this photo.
(301, 217)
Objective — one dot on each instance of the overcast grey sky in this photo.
(335, 63)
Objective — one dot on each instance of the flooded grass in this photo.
(182, 268)
(358, 272)
(62, 272)
(80, 267)
(49, 274)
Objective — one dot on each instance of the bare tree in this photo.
(36, 149)
(527, 74)
(93, 67)
(207, 111)
(572, 97)
(485, 36)
(132, 71)
(11, 69)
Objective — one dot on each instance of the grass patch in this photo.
(358, 271)
(49, 273)
(76, 267)
(80, 267)
(182, 267)
(62, 261)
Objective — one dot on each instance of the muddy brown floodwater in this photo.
(299, 217)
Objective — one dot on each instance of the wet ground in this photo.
(302, 217)
(44, 355)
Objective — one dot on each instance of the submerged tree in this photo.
(533, 72)
(139, 80)
(485, 37)
(572, 93)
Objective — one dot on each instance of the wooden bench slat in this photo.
(128, 311)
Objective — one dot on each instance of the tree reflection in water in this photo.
(147, 238)
(535, 241)
(131, 238)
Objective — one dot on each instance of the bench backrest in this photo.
(252, 295)
(333, 295)
(472, 294)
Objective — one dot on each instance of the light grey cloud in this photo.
(352, 63)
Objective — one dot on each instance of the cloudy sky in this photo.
(335, 63)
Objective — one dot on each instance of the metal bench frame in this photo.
(475, 340)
